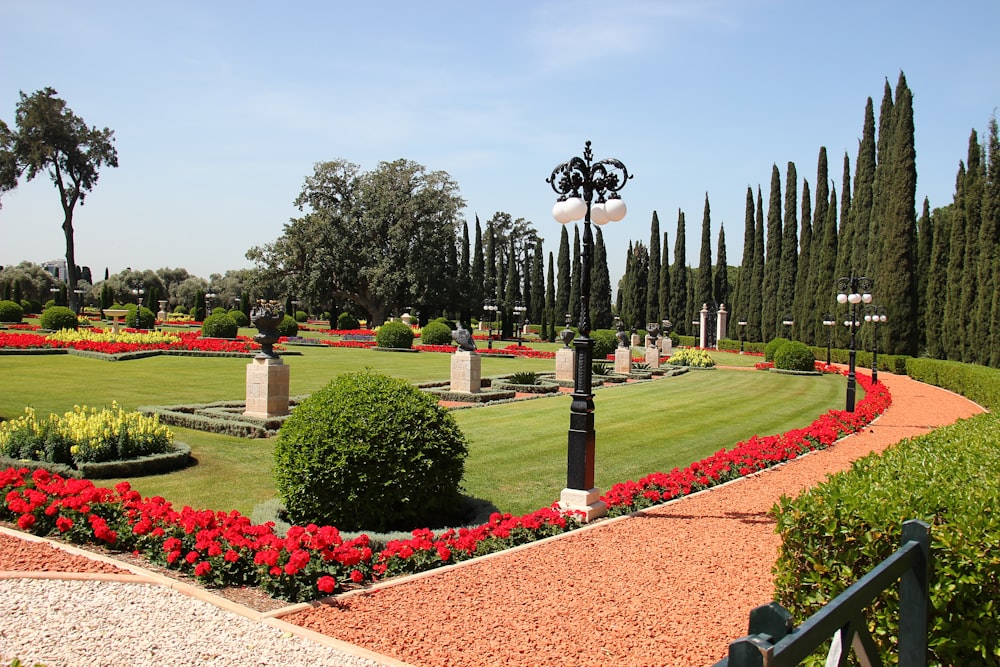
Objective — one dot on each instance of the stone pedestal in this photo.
(652, 356)
(666, 346)
(587, 502)
(636, 339)
(267, 387)
(565, 364)
(623, 360)
(116, 316)
(162, 314)
(466, 372)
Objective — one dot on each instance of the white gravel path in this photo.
(62, 623)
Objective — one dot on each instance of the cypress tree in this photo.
(664, 310)
(824, 256)
(789, 249)
(703, 281)
(937, 284)
(554, 317)
(478, 271)
(989, 259)
(601, 316)
(898, 232)
(741, 296)
(755, 303)
(925, 240)
(861, 203)
(565, 277)
(653, 282)
(720, 280)
(574, 280)
(972, 293)
(537, 284)
(679, 279)
(527, 290)
(466, 291)
(628, 291)
(772, 262)
(881, 186)
(818, 234)
(511, 294)
(957, 323)
(490, 276)
(803, 308)
(845, 237)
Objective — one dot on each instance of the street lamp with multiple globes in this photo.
(138, 291)
(829, 323)
(519, 309)
(743, 333)
(587, 190)
(853, 291)
(490, 312)
(875, 315)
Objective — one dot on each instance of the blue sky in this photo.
(220, 109)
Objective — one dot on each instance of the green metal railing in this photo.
(773, 641)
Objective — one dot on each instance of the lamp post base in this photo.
(588, 503)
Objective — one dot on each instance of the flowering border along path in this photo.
(226, 549)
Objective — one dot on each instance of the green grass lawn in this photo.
(517, 451)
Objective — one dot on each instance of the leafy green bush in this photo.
(977, 383)
(834, 533)
(605, 343)
(346, 322)
(147, 319)
(688, 356)
(395, 335)
(58, 317)
(239, 317)
(436, 333)
(10, 312)
(772, 347)
(445, 321)
(369, 452)
(301, 316)
(288, 326)
(219, 325)
(794, 356)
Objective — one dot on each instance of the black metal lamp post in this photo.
(209, 295)
(490, 307)
(518, 312)
(743, 333)
(138, 291)
(788, 322)
(875, 315)
(577, 182)
(829, 323)
(853, 291)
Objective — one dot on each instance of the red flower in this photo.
(327, 584)
(357, 576)
(26, 521)
(64, 524)
(202, 568)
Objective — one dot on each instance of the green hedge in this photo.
(977, 383)
(834, 533)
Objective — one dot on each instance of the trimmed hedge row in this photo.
(977, 383)
(178, 457)
(836, 532)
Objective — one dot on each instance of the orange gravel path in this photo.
(671, 586)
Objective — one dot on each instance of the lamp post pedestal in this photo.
(588, 503)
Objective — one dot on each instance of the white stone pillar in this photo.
(466, 372)
(267, 387)
(565, 364)
(722, 324)
(702, 327)
(623, 360)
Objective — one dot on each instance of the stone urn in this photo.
(266, 317)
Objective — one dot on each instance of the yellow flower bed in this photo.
(104, 336)
(84, 434)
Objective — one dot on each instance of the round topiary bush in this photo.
(219, 325)
(58, 317)
(10, 312)
(605, 343)
(146, 319)
(794, 356)
(346, 322)
(370, 452)
(301, 316)
(395, 335)
(239, 317)
(772, 347)
(435, 333)
(288, 327)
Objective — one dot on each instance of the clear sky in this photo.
(220, 109)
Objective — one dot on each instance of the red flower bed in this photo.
(189, 340)
(349, 343)
(448, 349)
(519, 351)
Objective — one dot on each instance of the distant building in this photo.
(57, 267)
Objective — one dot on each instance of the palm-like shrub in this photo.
(369, 452)
(395, 335)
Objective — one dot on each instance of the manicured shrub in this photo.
(219, 325)
(394, 335)
(301, 316)
(146, 318)
(691, 357)
(604, 343)
(435, 333)
(772, 347)
(977, 383)
(10, 312)
(369, 452)
(58, 317)
(219, 310)
(239, 317)
(794, 356)
(834, 533)
(346, 322)
(288, 326)
(449, 323)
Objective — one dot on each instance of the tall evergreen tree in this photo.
(772, 262)
(478, 271)
(627, 291)
(861, 203)
(720, 281)
(703, 280)
(679, 280)
(937, 284)
(803, 308)
(527, 287)
(565, 276)
(512, 292)
(466, 290)
(789, 248)
(633, 312)
(575, 273)
(537, 284)
(957, 321)
(972, 292)
(925, 241)
(554, 317)
(845, 237)
(741, 297)
(601, 316)
(881, 184)
(490, 278)
(664, 309)
(824, 256)
(653, 282)
(897, 288)
(755, 303)
(989, 259)
(818, 234)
